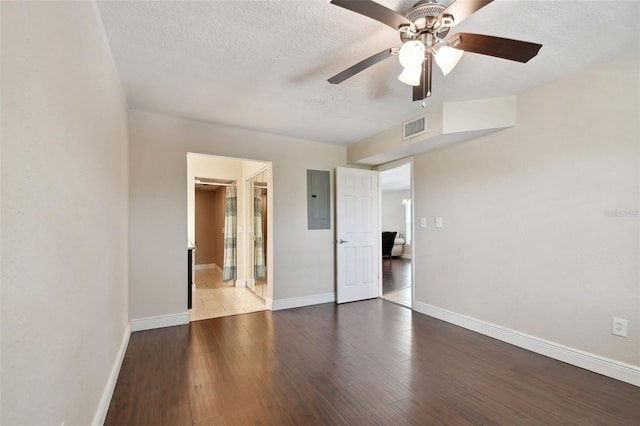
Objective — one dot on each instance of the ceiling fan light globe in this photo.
(411, 76)
(447, 58)
(411, 54)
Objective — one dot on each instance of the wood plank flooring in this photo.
(396, 274)
(362, 363)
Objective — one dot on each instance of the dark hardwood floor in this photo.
(362, 363)
(396, 274)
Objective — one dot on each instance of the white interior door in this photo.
(357, 229)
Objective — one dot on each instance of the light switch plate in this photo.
(438, 222)
(423, 222)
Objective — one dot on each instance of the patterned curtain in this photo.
(258, 241)
(229, 272)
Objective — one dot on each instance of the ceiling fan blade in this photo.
(462, 9)
(424, 89)
(505, 48)
(375, 11)
(360, 66)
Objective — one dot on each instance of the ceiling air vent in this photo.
(414, 128)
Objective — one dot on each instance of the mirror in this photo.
(257, 233)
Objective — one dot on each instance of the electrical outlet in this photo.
(619, 327)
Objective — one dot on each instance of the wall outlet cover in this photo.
(619, 327)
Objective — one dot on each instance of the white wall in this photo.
(531, 239)
(250, 168)
(64, 214)
(393, 212)
(303, 259)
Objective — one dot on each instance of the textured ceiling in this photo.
(263, 65)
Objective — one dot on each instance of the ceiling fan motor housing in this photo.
(424, 16)
(427, 24)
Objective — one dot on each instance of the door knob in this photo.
(341, 241)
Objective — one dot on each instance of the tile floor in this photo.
(401, 297)
(213, 298)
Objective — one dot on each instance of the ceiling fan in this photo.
(423, 31)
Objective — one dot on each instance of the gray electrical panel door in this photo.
(318, 199)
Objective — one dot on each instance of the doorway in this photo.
(217, 227)
(396, 220)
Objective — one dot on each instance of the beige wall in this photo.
(531, 239)
(209, 217)
(303, 259)
(447, 124)
(64, 213)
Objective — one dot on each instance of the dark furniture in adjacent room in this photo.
(387, 243)
(190, 260)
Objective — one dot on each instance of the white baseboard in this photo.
(107, 394)
(269, 303)
(405, 256)
(159, 321)
(607, 367)
(207, 266)
(241, 283)
(296, 302)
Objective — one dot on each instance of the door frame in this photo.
(388, 166)
(213, 173)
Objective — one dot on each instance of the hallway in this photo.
(214, 298)
(396, 281)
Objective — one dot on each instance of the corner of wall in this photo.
(298, 302)
(105, 400)
(150, 323)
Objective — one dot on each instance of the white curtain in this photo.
(229, 270)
